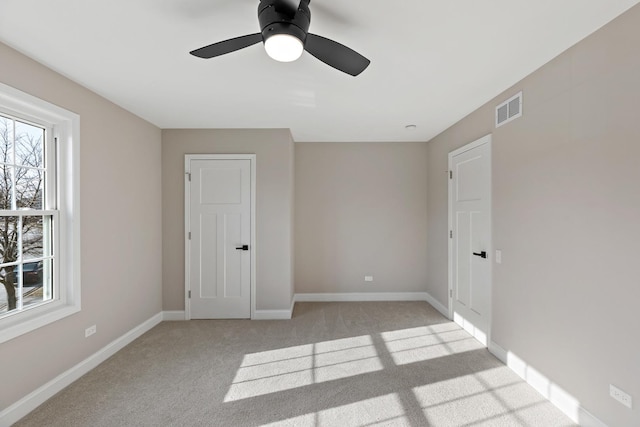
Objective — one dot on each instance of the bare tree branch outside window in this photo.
(22, 177)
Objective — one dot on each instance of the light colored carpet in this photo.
(333, 364)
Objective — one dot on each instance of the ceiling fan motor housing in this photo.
(275, 19)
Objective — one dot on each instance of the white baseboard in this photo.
(362, 297)
(378, 296)
(589, 420)
(173, 315)
(272, 315)
(437, 305)
(498, 352)
(275, 314)
(564, 401)
(36, 398)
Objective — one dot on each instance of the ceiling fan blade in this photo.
(227, 46)
(336, 55)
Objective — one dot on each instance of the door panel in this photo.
(220, 186)
(480, 288)
(462, 288)
(207, 275)
(220, 222)
(233, 257)
(468, 187)
(470, 209)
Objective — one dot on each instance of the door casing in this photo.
(187, 226)
(477, 143)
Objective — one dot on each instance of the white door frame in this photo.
(484, 140)
(187, 226)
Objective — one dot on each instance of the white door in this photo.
(219, 238)
(470, 237)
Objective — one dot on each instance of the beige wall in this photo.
(566, 214)
(274, 188)
(361, 209)
(120, 231)
(566, 209)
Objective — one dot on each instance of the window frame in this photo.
(64, 126)
(48, 209)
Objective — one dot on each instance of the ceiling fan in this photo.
(284, 28)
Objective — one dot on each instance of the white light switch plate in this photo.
(368, 278)
(499, 257)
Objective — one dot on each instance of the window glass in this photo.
(29, 184)
(25, 240)
(29, 145)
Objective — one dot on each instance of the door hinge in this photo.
(450, 174)
(451, 234)
(189, 176)
(189, 235)
(450, 293)
(189, 294)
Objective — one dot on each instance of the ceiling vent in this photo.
(509, 110)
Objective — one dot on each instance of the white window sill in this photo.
(26, 321)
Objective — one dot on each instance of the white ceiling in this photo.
(432, 62)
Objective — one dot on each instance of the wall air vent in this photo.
(509, 110)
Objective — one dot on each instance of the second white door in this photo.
(219, 205)
(470, 255)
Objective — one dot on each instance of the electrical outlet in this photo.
(90, 331)
(620, 396)
(368, 278)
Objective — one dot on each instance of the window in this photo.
(39, 218)
(27, 214)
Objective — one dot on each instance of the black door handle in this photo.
(482, 254)
(243, 248)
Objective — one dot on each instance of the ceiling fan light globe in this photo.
(284, 47)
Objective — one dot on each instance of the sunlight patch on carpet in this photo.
(377, 411)
(282, 369)
(428, 342)
(494, 396)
